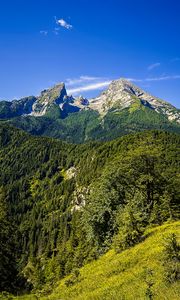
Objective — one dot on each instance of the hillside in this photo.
(136, 273)
(62, 205)
(121, 109)
(132, 274)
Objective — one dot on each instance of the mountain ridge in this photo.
(121, 109)
(120, 90)
(123, 91)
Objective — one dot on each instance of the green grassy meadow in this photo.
(136, 273)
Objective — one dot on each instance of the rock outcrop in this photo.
(122, 94)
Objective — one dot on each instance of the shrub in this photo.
(171, 258)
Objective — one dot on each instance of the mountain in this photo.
(64, 205)
(123, 108)
(123, 94)
(42, 105)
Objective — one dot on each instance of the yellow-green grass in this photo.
(125, 275)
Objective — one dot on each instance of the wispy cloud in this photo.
(86, 83)
(153, 66)
(82, 79)
(163, 78)
(90, 83)
(134, 79)
(56, 31)
(89, 87)
(63, 23)
(44, 32)
(175, 59)
(160, 78)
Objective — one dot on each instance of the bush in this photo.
(171, 259)
(73, 278)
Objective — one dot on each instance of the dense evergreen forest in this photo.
(63, 205)
(88, 125)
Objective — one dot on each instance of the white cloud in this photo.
(153, 66)
(90, 83)
(134, 79)
(82, 79)
(44, 32)
(160, 78)
(163, 78)
(63, 23)
(86, 83)
(89, 87)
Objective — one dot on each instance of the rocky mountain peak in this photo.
(119, 93)
(122, 94)
(55, 95)
(126, 86)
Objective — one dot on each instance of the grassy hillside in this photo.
(136, 273)
(126, 275)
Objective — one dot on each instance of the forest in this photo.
(65, 205)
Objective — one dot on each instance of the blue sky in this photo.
(87, 44)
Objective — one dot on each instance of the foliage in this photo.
(8, 267)
(172, 258)
(136, 273)
(87, 125)
(67, 203)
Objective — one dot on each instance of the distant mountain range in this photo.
(121, 109)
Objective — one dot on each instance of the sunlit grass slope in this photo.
(136, 273)
(133, 274)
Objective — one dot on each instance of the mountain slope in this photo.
(67, 202)
(123, 108)
(135, 273)
(122, 94)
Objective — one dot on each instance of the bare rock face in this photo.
(82, 101)
(58, 95)
(55, 95)
(122, 94)
(119, 94)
